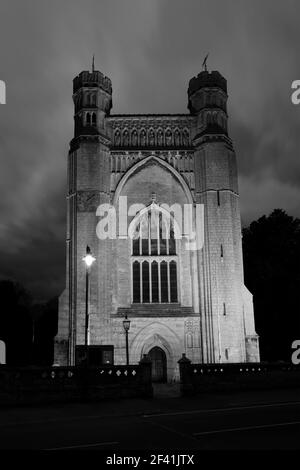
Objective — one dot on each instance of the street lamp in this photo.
(88, 259)
(126, 326)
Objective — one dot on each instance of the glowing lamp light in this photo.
(126, 324)
(89, 258)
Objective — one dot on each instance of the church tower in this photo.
(146, 167)
(228, 325)
(88, 187)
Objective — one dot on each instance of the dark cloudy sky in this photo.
(150, 49)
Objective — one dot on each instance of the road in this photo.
(258, 420)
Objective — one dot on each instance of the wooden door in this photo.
(159, 364)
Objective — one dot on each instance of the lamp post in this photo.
(88, 259)
(126, 326)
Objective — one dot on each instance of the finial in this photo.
(93, 63)
(204, 65)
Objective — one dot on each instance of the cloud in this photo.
(150, 50)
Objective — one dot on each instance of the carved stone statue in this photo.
(185, 137)
(151, 138)
(125, 138)
(160, 137)
(134, 137)
(143, 138)
(177, 137)
(168, 137)
(117, 137)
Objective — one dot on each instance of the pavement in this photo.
(224, 421)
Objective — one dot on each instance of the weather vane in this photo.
(204, 64)
(93, 63)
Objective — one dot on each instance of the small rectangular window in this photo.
(227, 354)
(224, 308)
(218, 197)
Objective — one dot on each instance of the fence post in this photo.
(186, 386)
(146, 376)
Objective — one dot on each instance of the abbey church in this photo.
(180, 297)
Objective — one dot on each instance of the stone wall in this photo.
(24, 386)
(205, 378)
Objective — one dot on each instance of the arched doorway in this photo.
(159, 364)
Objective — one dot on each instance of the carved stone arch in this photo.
(153, 206)
(146, 161)
(189, 339)
(155, 334)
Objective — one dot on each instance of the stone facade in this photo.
(184, 159)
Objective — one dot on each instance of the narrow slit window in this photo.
(154, 279)
(173, 281)
(164, 281)
(136, 282)
(145, 280)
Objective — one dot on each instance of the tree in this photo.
(15, 322)
(45, 329)
(271, 247)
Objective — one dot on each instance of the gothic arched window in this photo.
(154, 259)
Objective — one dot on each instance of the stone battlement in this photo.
(207, 80)
(92, 79)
